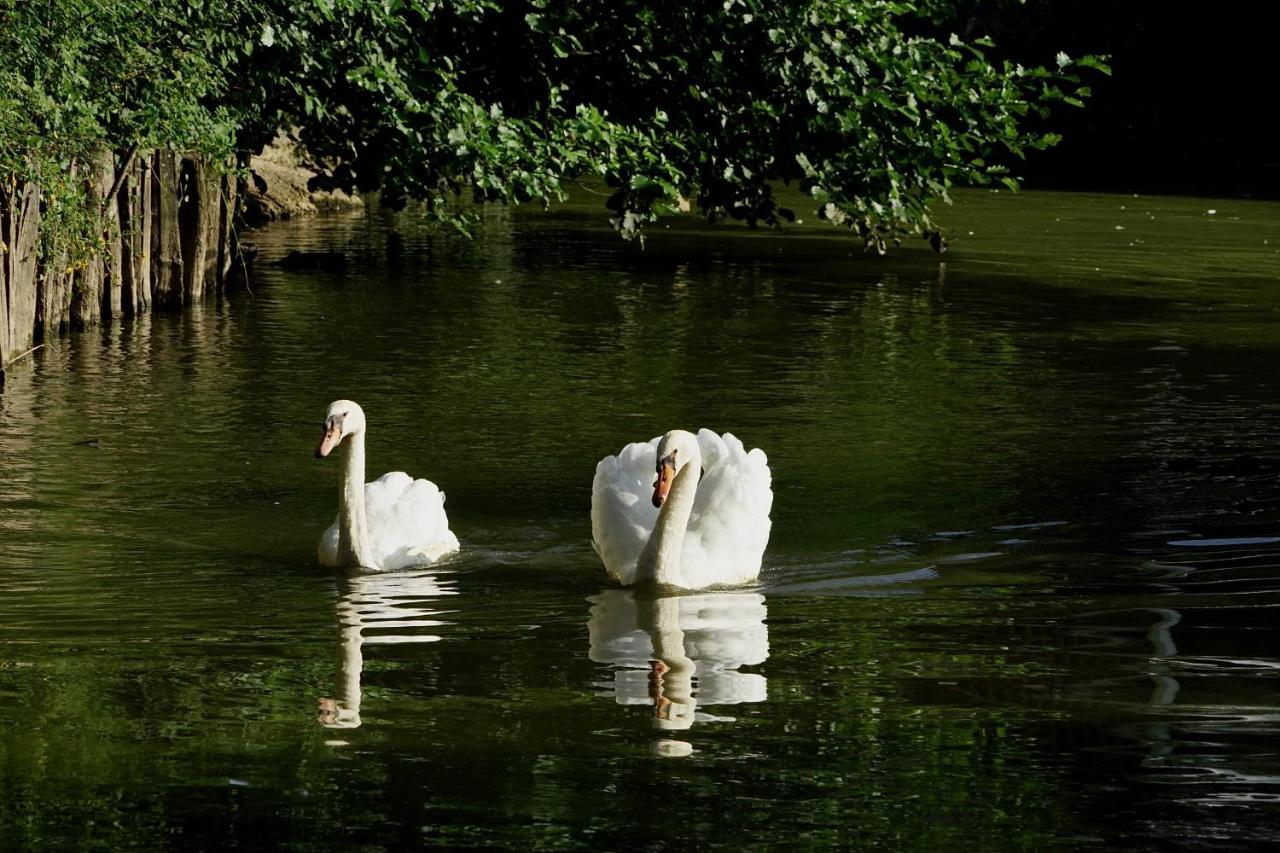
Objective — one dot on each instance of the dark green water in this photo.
(1021, 591)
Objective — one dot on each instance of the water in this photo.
(1021, 589)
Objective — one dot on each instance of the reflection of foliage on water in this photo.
(100, 735)
(166, 632)
(890, 721)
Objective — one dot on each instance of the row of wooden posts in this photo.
(169, 239)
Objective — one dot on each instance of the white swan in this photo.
(391, 523)
(711, 529)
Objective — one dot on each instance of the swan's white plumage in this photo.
(406, 520)
(393, 522)
(728, 528)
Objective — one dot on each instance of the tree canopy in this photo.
(875, 109)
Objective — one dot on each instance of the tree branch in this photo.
(120, 177)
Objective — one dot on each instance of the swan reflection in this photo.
(678, 652)
(384, 608)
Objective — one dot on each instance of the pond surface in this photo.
(1021, 591)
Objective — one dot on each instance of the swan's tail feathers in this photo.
(436, 550)
(407, 521)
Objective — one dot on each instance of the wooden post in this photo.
(89, 284)
(22, 240)
(166, 236)
(200, 218)
(142, 236)
(113, 234)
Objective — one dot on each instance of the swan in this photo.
(706, 524)
(391, 523)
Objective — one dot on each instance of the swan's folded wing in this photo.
(622, 511)
(407, 521)
(328, 550)
(730, 524)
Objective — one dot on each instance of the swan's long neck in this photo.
(353, 529)
(660, 559)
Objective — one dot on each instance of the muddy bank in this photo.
(279, 187)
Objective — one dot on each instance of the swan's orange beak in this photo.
(662, 485)
(330, 438)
